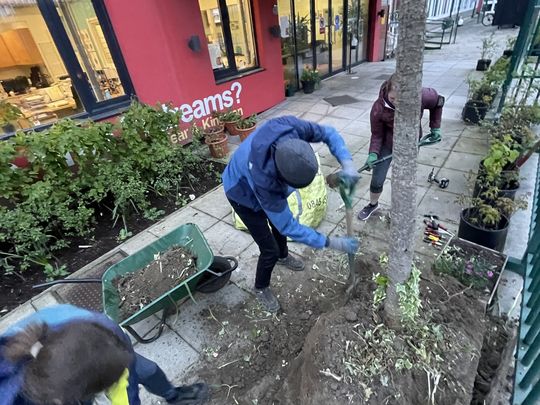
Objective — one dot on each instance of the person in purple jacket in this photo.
(382, 135)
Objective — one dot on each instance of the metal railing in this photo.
(527, 376)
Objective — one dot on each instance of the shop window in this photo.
(228, 26)
(56, 60)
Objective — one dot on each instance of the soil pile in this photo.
(140, 288)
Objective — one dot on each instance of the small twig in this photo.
(214, 318)
(518, 295)
(330, 278)
(328, 373)
(456, 294)
(229, 388)
(228, 364)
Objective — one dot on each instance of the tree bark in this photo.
(410, 57)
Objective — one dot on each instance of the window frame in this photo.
(232, 71)
(92, 107)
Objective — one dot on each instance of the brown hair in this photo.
(70, 364)
(391, 84)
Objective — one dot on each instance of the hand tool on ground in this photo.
(443, 183)
(424, 141)
(437, 227)
(334, 181)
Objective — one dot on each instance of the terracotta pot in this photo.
(218, 145)
(230, 126)
(244, 133)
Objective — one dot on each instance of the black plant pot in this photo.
(474, 111)
(290, 91)
(483, 64)
(8, 128)
(493, 239)
(222, 267)
(309, 87)
(508, 52)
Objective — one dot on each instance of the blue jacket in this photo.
(251, 180)
(11, 375)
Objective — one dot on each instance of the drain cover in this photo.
(340, 100)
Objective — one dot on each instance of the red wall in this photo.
(153, 36)
(377, 26)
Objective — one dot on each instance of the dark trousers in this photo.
(272, 244)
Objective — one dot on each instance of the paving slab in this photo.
(432, 157)
(336, 122)
(441, 203)
(462, 161)
(244, 275)
(459, 183)
(19, 313)
(214, 203)
(447, 142)
(46, 299)
(472, 145)
(184, 216)
(173, 354)
(225, 240)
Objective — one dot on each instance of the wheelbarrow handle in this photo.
(68, 281)
(233, 267)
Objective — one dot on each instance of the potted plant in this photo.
(216, 139)
(488, 45)
(8, 116)
(230, 118)
(246, 126)
(486, 217)
(310, 77)
(289, 89)
(509, 49)
(482, 93)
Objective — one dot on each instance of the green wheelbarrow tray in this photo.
(187, 236)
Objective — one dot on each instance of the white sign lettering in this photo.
(202, 108)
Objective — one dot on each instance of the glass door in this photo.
(329, 35)
(336, 34)
(357, 29)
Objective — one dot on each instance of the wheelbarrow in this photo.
(213, 273)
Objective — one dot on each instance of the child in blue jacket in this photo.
(273, 161)
(69, 356)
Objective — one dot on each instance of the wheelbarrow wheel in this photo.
(223, 267)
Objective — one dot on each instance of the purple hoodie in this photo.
(382, 118)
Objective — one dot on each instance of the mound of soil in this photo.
(300, 356)
(140, 288)
(326, 372)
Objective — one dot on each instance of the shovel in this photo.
(334, 181)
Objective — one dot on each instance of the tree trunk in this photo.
(410, 57)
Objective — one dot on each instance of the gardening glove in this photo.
(372, 157)
(343, 244)
(348, 177)
(435, 135)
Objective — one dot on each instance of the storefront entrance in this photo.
(327, 34)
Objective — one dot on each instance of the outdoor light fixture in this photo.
(194, 43)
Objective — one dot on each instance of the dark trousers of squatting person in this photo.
(380, 171)
(272, 244)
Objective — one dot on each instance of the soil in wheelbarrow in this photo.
(321, 350)
(140, 288)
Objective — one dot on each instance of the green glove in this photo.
(372, 157)
(435, 135)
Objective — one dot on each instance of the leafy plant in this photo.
(502, 154)
(246, 123)
(488, 46)
(8, 113)
(230, 116)
(471, 270)
(310, 75)
(409, 297)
